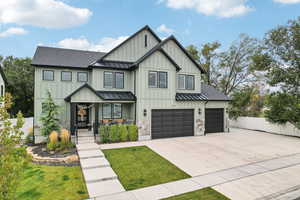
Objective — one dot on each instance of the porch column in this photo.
(72, 118)
(96, 118)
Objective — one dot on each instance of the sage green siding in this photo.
(135, 48)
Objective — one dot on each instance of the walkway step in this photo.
(94, 163)
(87, 146)
(104, 188)
(99, 174)
(90, 154)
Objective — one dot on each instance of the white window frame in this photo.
(156, 79)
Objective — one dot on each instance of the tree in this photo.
(13, 157)
(279, 59)
(194, 52)
(20, 76)
(49, 119)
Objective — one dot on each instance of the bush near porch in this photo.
(118, 133)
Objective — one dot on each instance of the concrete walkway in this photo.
(229, 182)
(99, 177)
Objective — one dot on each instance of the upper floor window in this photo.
(82, 76)
(48, 75)
(185, 82)
(66, 76)
(146, 40)
(114, 80)
(158, 79)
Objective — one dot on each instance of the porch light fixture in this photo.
(226, 110)
(199, 111)
(145, 112)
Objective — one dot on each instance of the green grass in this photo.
(139, 167)
(203, 194)
(42, 182)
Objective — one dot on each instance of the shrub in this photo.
(53, 141)
(65, 137)
(114, 133)
(123, 133)
(133, 132)
(29, 137)
(104, 134)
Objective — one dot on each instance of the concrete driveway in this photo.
(215, 152)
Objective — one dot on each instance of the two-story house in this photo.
(144, 80)
(3, 81)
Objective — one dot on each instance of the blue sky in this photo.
(101, 24)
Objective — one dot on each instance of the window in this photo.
(146, 40)
(112, 111)
(82, 76)
(152, 79)
(185, 82)
(189, 82)
(48, 75)
(119, 80)
(114, 80)
(158, 79)
(2, 90)
(181, 81)
(66, 76)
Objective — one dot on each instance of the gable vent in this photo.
(146, 40)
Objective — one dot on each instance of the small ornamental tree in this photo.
(49, 119)
(13, 157)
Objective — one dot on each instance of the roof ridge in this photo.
(69, 49)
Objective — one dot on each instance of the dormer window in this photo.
(146, 40)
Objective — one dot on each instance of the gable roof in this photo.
(132, 36)
(172, 37)
(3, 75)
(106, 95)
(153, 50)
(60, 57)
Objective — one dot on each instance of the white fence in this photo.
(261, 124)
(27, 125)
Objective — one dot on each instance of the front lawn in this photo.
(52, 182)
(203, 194)
(139, 167)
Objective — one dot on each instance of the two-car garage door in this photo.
(166, 123)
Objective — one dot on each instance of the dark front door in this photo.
(172, 123)
(82, 115)
(214, 120)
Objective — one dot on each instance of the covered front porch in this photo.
(90, 109)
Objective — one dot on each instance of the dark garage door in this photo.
(214, 120)
(172, 123)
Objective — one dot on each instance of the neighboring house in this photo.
(3, 82)
(153, 83)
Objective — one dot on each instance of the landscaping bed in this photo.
(202, 194)
(139, 167)
(41, 182)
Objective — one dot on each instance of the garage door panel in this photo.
(172, 123)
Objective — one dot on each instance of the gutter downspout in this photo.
(134, 92)
(204, 115)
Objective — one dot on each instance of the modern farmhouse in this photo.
(145, 80)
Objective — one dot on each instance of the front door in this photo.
(82, 115)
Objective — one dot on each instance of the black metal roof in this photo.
(116, 95)
(208, 93)
(113, 65)
(60, 57)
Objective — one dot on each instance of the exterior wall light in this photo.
(226, 110)
(199, 111)
(145, 112)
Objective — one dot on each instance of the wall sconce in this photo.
(145, 112)
(199, 111)
(226, 110)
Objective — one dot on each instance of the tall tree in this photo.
(280, 60)
(20, 77)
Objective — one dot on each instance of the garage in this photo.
(166, 123)
(214, 120)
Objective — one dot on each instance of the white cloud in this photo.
(104, 45)
(164, 29)
(219, 8)
(42, 13)
(287, 1)
(13, 31)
